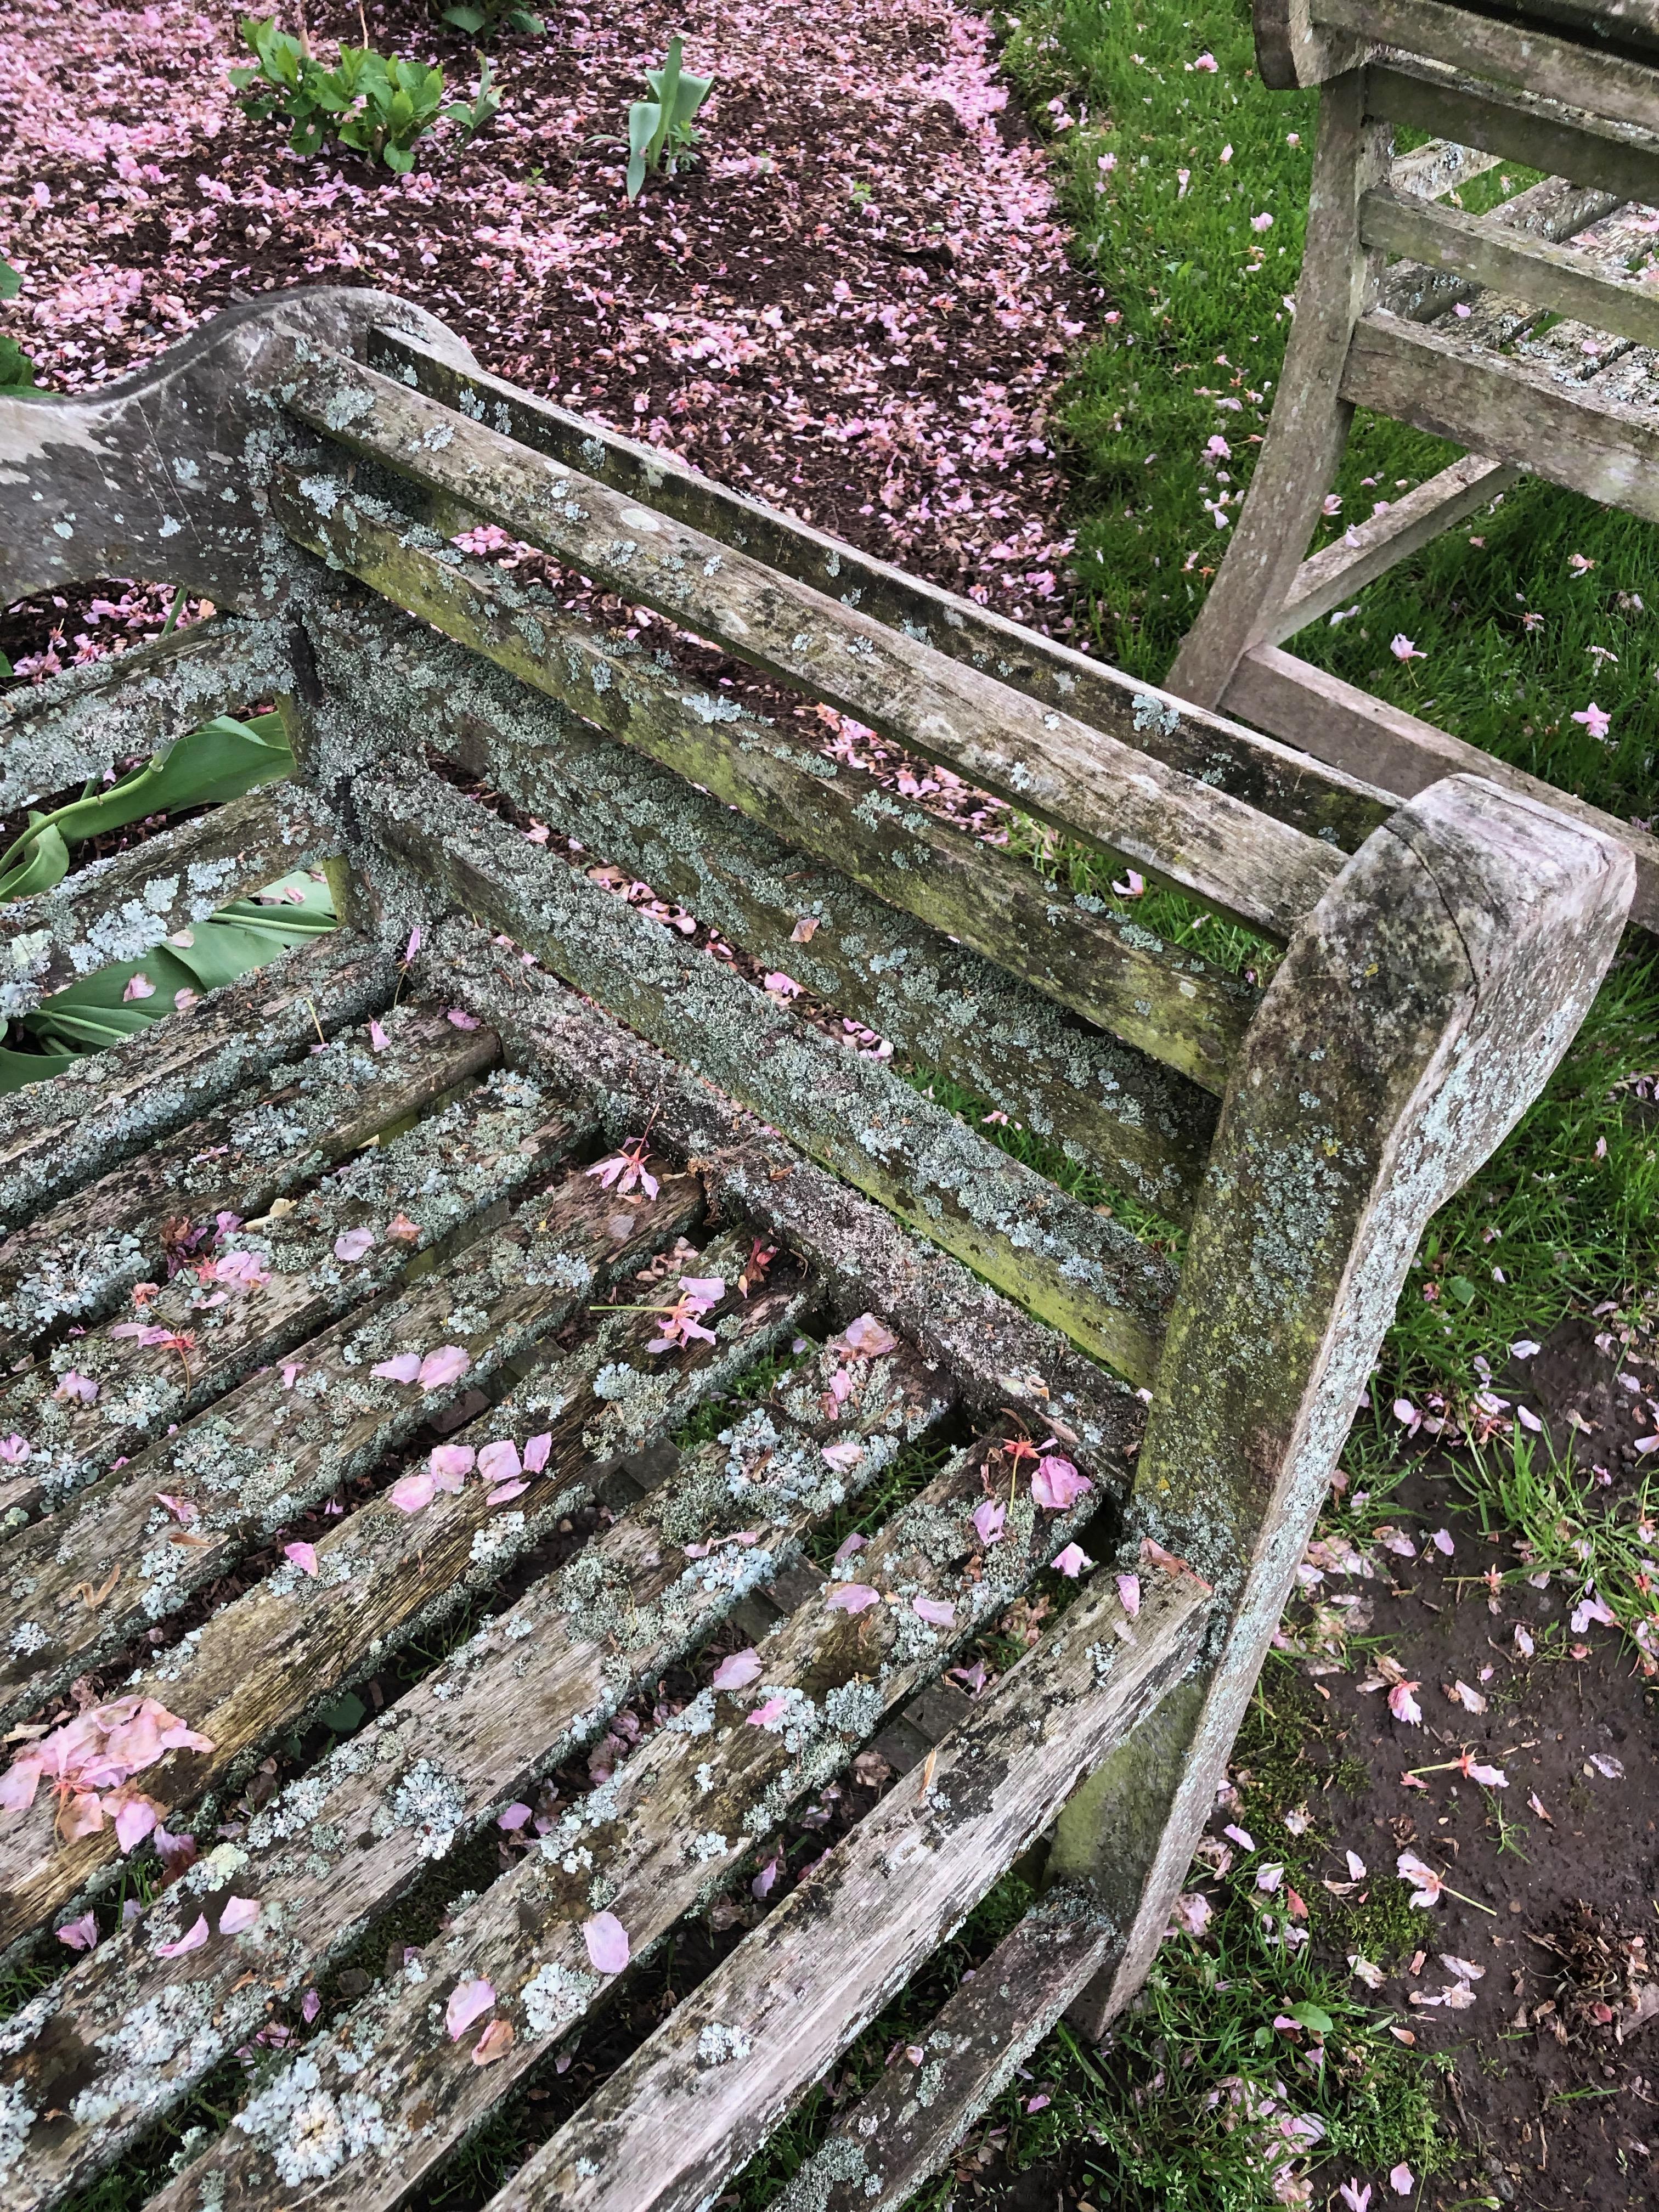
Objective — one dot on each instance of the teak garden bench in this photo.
(1521, 336)
(426, 1242)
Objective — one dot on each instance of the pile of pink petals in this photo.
(90, 1762)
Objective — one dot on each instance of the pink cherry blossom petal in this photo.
(304, 1557)
(467, 2000)
(1057, 1483)
(1128, 1591)
(935, 1611)
(536, 1452)
(989, 1515)
(413, 1493)
(499, 1462)
(404, 1368)
(607, 1942)
(739, 1671)
(192, 1940)
(354, 1245)
(445, 1366)
(852, 1597)
(1072, 1561)
(238, 1916)
(80, 1935)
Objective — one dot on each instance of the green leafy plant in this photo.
(664, 125)
(222, 760)
(375, 105)
(101, 1008)
(17, 369)
(482, 23)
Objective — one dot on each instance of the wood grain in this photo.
(1609, 83)
(1621, 158)
(1039, 759)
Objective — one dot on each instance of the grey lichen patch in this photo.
(554, 1996)
(309, 2130)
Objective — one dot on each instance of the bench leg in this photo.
(1309, 424)
(1420, 1010)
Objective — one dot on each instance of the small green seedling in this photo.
(376, 105)
(17, 369)
(664, 125)
(482, 22)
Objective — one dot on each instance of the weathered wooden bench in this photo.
(1522, 336)
(464, 1162)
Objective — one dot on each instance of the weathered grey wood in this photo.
(692, 2105)
(998, 1357)
(76, 1262)
(265, 1660)
(339, 1845)
(1311, 707)
(274, 1447)
(1551, 276)
(1439, 166)
(112, 1104)
(906, 2124)
(1291, 49)
(1369, 549)
(1090, 1277)
(155, 474)
(1552, 209)
(1170, 1002)
(1219, 753)
(935, 1001)
(57, 734)
(1039, 759)
(1311, 413)
(1510, 408)
(675, 1824)
(1621, 158)
(121, 908)
(1631, 24)
(1610, 84)
(1410, 1024)
(472, 1155)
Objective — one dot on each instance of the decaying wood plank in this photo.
(77, 1261)
(290, 1434)
(675, 1823)
(1621, 158)
(702, 2093)
(1408, 754)
(936, 1002)
(1610, 84)
(1233, 760)
(102, 1395)
(1170, 1003)
(1090, 1277)
(1553, 277)
(264, 1661)
(1552, 209)
(1576, 437)
(876, 2156)
(111, 1104)
(1218, 850)
(1418, 1013)
(121, 908)
(344, 1841)
(1369, 549)
(1309, 422)
(998, 1357)
(1440, 165)
(57, 734)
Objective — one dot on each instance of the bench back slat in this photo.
(1214, 847)
(1266, 774)
(1609, 83)
(1563, 141)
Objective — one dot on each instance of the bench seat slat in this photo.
(78, 1260)
(492, 1140)
(675, 1824)
(340, 1844)
(111, 1104)
(121, 908)
(271, 1450)
(1039, 759)
(691, 2105)
(1166, 1001)
(1256, 769)
(1089, 1276)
